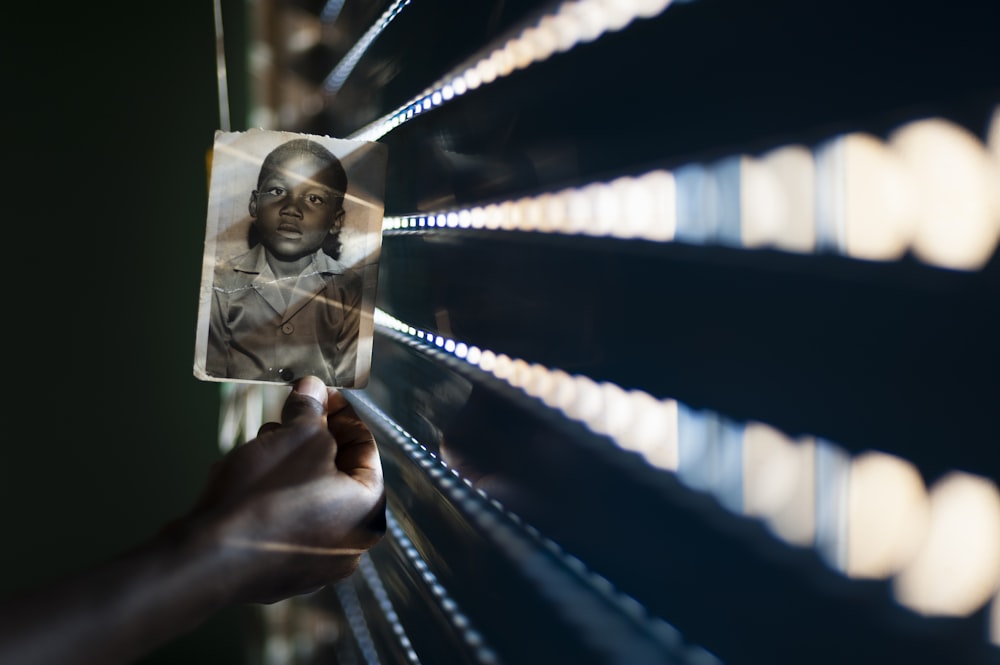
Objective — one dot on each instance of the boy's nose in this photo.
(292, 207)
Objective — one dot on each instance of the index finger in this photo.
(357, 453)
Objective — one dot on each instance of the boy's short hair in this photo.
(334, 170)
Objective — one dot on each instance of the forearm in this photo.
(121, 610)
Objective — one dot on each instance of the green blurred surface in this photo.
(109, 111)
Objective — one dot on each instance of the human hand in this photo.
(294, 509)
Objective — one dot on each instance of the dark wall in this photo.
(108, 113)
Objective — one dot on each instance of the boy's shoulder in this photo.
(237, 270)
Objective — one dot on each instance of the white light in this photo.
(589, 402)
(607, 211)
(778, 482)
(588, 18)
(508, 211)
(474, 355)
(579, 212)
(956, 187)
(493, 216)
(545, 40)
(615, 13)
(553, 394)
(637, 216)
(565, 393)
(477, 218)
(521, 51)
(654, 430)
(617, 415)
(501, 62)
(447, 92)
(663, 191)
(564, 30)
(881, 207)
(464, 219)
(449, 345)
(553, 212)
(472, 78)
(487, 360)
(487, 71)
(539, 381)
(503, 366)
(957, 569)
(452, 220)
(461, 350)
(533, 214)
(518, 373)
(887, 515)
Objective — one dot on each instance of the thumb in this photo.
(307, 399)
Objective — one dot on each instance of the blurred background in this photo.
(686, 343)
(109, 113)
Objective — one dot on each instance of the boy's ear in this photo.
(253, 204)
(338, 221)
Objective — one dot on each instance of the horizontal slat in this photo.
(701, 80)
(871, 356)
(670, 548)
(531, 600)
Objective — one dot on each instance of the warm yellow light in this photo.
(779, 482)
(653, 432)
(956, 190)
(957, 569)
(887, 515)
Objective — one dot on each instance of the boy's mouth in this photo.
(289, 230)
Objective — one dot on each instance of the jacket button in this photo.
(286, 374)
(287, 328)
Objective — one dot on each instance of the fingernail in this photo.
(313, 387)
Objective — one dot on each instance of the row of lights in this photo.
(570, 23)
(940, 545)
(932, 189)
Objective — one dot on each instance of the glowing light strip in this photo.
(853, 194)
(456, 487)
(580, 398)
(570, 23)
(336, 78)
(638, 422)
(641, 206)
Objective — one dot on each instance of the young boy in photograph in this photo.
(288, 308)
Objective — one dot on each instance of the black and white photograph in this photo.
(292, 242)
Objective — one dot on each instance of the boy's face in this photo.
(295, 208)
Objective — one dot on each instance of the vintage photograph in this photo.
(292, 241)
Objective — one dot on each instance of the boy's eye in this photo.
(275, 191)
(315, 199)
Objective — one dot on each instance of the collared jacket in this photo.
(255, 335)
